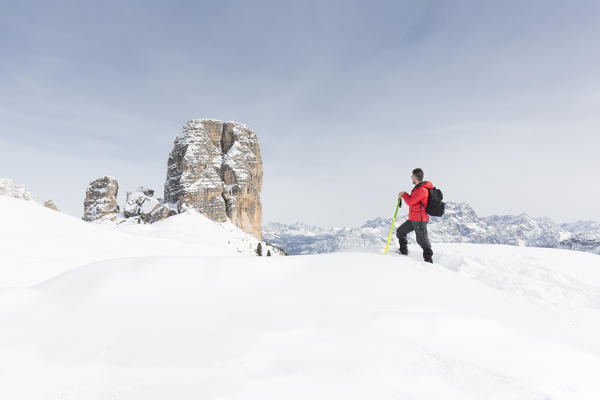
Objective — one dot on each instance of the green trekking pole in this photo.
(393, 222)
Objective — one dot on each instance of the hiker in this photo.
(417, 201)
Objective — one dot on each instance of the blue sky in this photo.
(499, 102)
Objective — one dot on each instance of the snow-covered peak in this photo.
(581, 226)
(462, 209)
(296, 228)
(376, 222)
(460, 224)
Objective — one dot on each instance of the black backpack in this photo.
(436, 206)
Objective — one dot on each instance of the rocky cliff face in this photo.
(215, 167)
(100, 202)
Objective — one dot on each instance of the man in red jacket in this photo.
(417, 202)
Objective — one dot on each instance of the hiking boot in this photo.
(403, 247)
(428, 255)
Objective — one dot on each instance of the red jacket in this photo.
(417, 201)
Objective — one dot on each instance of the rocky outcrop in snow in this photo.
(142, 205)
(50, 204)
(9, 188)
(215, 168)
(134, 201)
(460, 224)
(100, 202)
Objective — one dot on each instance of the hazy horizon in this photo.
(498, 102)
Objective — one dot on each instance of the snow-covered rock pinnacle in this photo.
(100, 202)
(215, 167)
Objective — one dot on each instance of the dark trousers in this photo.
(420, 228)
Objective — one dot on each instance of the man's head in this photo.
(417, 175)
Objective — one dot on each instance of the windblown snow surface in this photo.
(150, 314)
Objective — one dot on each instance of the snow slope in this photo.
(484, 322)
(38, 243)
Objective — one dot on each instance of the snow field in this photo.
(484, 322)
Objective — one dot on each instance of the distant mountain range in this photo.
(460, 224)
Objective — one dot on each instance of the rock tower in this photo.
(215, 167)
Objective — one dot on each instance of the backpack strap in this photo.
(421, 203)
